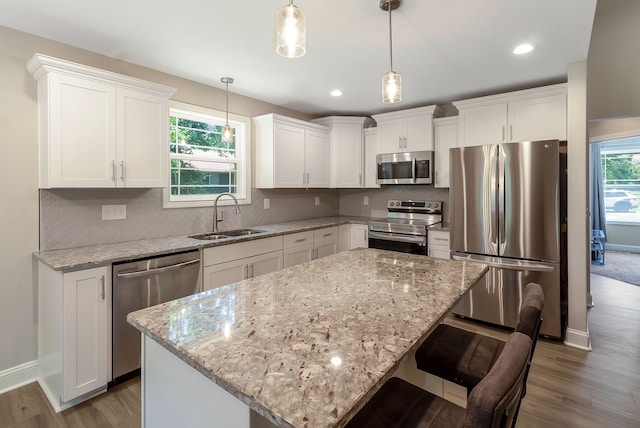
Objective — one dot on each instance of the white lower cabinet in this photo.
(74, 349)
(226, 264)
(438, 244)
(310, 245)
(353, 236)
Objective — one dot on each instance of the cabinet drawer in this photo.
(299, 238)
(438, 238)
(328, 233)
(225, 253)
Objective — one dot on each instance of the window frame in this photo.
(243, 130)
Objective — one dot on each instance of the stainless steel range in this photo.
(405, 228)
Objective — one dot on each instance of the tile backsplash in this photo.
(73, 217)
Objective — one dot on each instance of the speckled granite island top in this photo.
(308, 345)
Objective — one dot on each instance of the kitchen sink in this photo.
(241, 232)
(209, 236)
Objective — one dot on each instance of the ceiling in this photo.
(444, 50)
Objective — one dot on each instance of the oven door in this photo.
(396, 242)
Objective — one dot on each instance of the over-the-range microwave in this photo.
(405, 168)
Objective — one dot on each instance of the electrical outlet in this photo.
(365, 200)
(317, 200)
(114, 212)
(267, 203)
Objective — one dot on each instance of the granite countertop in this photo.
(308, 345)
(99, 255)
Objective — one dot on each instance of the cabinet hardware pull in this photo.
(102, 294)
(400, 142)
(502, 133)
(251, 274)
(327, 234)
(113, 171)
(122, 171)
(153, 271)
(245, 272)
(510, 132)
(301, 240)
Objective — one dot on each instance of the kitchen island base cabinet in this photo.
(174, 394)
(74, 334)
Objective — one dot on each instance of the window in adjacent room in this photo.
(202, 165)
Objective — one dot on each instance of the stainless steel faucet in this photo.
(215, 209)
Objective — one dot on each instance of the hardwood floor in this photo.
(567, 387)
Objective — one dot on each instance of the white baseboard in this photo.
(578, 339)
(18, 376)
(618, 247)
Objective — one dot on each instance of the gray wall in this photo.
(613, 67)
(351, 200)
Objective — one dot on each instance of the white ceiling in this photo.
(444, 50)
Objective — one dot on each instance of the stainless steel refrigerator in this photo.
(508, 210)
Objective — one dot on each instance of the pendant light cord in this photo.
(227, 109)
(390, 37)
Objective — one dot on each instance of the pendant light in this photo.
(291, 31)
(227, 133)
(392, 81)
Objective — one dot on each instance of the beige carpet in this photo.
(621, 266)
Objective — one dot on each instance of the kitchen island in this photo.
(306, 346)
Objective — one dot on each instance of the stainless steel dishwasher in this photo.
(139, 284)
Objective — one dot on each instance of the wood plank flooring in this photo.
(567, 387)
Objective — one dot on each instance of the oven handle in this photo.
(156, 270)
(421, 240)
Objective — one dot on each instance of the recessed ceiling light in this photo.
(523, 49)
(336, 93)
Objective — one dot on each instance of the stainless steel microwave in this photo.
(405, 168)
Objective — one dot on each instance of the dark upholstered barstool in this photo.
(492, 403)
(464, 357)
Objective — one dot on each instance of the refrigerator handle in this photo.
(500, 240)
(502, 264)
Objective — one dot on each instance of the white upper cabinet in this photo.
(346, 150)
(405, 130)
(371, 150)
(290, 153)
(445, 133)
(99, 129)
(528, 115)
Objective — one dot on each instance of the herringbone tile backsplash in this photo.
(73, 217)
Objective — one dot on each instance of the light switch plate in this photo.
(114, 212)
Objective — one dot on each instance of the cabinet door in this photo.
(483, 125)
(542, 118)
(265, 263)
(298, 254)
(224, 273)
(446, 137)
(347, 159)
(418, 133)
(81, 133)
(325, 248)
(289, 144)
(142, 139)
(317, 158)
(87, 304)
(390, 136)
(359, 236)
(371, 150)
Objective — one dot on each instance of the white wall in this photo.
(19, 201)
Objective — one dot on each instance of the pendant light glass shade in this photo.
(227, 133)
(392, 81)
(291, 31)
(391, 88)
